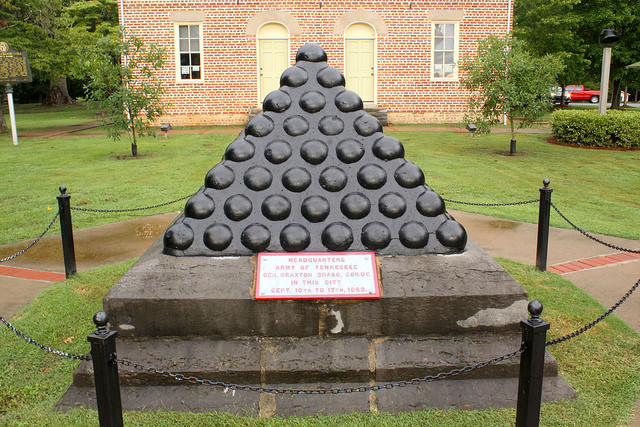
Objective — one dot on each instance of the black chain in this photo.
(492, 204)
(32, 243)
(595, 322)
(618, 248)
(132, 209)
(42, 346)
(377, 387)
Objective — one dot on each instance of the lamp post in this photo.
(608, 38)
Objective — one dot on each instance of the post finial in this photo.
(63, 189)
(101, 319)
(546, 182)
(535, 309)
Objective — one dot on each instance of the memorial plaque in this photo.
(310, 275)
(14, 65)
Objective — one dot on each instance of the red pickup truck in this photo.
(578, 93)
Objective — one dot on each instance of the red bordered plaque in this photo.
(317, 275)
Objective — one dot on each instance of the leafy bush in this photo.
(620, 129)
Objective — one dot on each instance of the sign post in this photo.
(14, 68)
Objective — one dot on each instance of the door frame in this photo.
(375, 55)
(258, 38)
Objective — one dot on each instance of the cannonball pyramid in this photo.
(314, 173)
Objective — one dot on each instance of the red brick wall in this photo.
(229, 89)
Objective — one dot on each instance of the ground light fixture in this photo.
(608, 39)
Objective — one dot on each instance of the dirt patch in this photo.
(505, 225)
(554, 141)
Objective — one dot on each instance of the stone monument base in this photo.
(197, 316)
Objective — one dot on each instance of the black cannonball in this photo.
(315, 208)
(277, 151)
(333, 179)
(430, 203)
(452, 235)
(295, 125)
(349, 151)
(276, 101)
(294, 238)
(276, 207)
(331, 125)
(314, 151)
(414, 235)
(219, 177)
(260, 125)
(367, 125)
(311, 52)
(372, 176)
(388, 148)
(199, 206)
(348, 101)
(312, 101)
(296, 179)
(217, 237)
(257, 178)
(256, 237)
(330, 77)
(355, 206)
(392, 205)
(337, 236)
(409, 175)
(178, 236)
(240, 150)
(238, 207)
(375, 235)
(293, 77)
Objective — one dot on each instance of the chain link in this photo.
(42, 346)
(132, 209)
(360, 389)
(32, 243)
(525, 202)
(595, 322)
(618, 248)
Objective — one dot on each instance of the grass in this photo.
(596, 189)
(33, 117)
(603, 365)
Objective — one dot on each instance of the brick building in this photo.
(224, 56)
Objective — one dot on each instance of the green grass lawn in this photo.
(32, 117)
(602, 365)
(596, 189)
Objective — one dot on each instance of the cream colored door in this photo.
(273, 57)
(360, 61)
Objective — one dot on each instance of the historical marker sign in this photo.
(317, 275)
(14, 65)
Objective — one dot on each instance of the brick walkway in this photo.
(601, 261)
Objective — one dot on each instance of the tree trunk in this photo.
(58, 93)
(615, 96)
(512, 147)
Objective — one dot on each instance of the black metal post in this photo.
(534, 336)
(544, 213)
(105, 372)
(66, 230)
(512, 147)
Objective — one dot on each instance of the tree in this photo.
(56, 33)
(553, 27)
(122, 84)
(506, 80)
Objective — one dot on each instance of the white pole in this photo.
(604, 80)
(12, 114)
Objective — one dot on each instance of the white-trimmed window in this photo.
(189, 52)
(444, 54)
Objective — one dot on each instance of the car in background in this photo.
(579, 93)
(556, 96)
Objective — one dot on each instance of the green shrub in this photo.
(620, 129)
